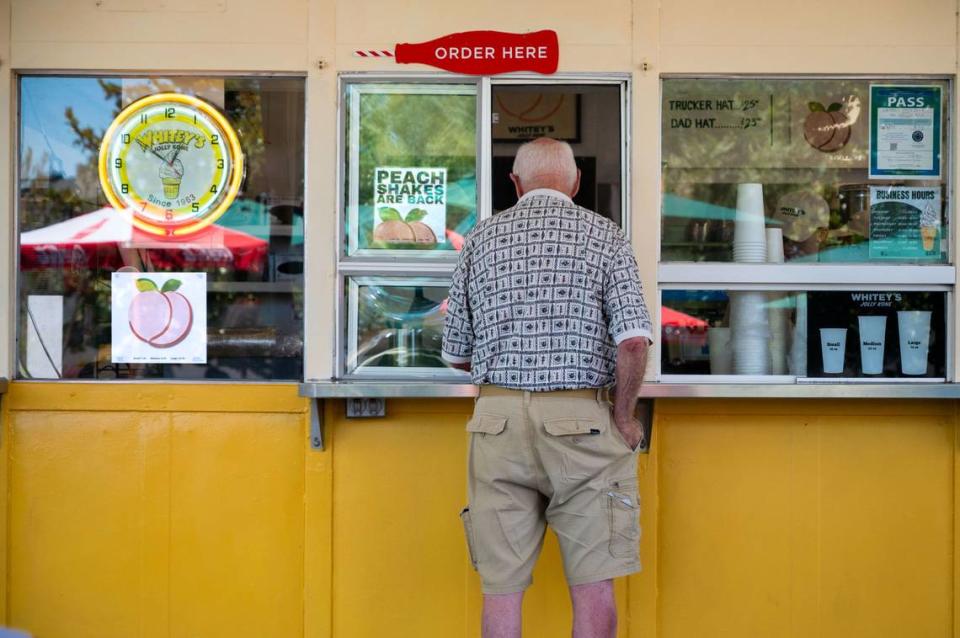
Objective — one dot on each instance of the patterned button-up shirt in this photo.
(541, 295)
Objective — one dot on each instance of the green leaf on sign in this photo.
(836, 106)
(145, 285)
(171, 285)
(390, 215)
(815, 106)
(415, 215)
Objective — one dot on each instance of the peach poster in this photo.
(159, 317)
(410, 206)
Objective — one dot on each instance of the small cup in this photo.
(833, 345)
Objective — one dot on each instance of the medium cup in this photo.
(833, 344)
(872, 332)
(914, 328)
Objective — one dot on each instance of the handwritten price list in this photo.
(718, 113)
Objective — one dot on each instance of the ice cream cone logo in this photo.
(929, 225)
(171, 174)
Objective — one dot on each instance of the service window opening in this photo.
(588, 116)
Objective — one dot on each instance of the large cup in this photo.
(721, 356)
(914, 340)
(833, 344)
(872, 333)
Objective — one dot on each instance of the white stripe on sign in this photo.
(373, 54)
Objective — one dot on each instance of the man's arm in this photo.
(457, 347)
(631, 363)
(632, 331)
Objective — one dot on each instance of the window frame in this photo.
(428, 264)
(680, 275)
(17, 75)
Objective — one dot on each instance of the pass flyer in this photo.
(410, 207)
(905, 131)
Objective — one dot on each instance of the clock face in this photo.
(173, 161)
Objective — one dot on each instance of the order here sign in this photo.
(486, 52)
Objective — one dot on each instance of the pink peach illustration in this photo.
(161, 317)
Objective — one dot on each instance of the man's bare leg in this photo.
(594, 610)
(501, 615)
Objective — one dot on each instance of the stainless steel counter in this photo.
(436, 389)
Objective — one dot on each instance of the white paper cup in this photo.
(872, 333)
(833, 344)
(775, 245)
(914, 328)
(721, 356)
(749, 223)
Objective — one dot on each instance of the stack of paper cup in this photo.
(749, 332)
(749, 239)
(721, 356)
(777, 313)
(775, 245)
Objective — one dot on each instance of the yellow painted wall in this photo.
(187, 511)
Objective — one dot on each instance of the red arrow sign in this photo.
(486, 52)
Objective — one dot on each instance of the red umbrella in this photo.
(671, 317)
(106, 239)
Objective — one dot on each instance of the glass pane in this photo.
(411, 167)
(753, 168)
(862, 334)
(199, 271)
(395, 326)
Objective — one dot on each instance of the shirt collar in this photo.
(545, 192)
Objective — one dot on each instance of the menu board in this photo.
(732, 124)
(876, 334)
(905, 223)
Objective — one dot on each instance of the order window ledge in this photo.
(827, 389)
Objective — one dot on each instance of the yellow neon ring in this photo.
(236, 164)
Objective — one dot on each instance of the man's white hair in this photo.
(545, 162)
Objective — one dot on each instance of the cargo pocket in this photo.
(468, 532)
(487, 424)
(623, 507)
(573, 427)
(582, 453)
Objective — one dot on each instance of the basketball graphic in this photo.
(523, 115)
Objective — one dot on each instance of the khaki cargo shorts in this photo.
(538, 458)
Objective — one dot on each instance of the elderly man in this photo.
(546, 310)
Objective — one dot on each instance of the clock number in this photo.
(195, 207)
(214, 139)
(124, 188)
(143, 207)
(213, 189)
(118, 163)
(170, 112)
(126, 138)
(168, 215)
(143, 118)
(220, 163)
(194, 118)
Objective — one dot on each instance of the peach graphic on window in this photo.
(161, 317)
